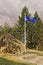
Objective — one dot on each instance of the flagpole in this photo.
(25, 33)
(28, 19)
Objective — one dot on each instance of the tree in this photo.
(7, 28)
(38, 35)
(15, 31)
(21, 22)
(20, 30)
(30, 33)
(1, 28)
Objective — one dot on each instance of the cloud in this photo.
(11, 9)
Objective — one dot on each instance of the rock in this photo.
(9, 44)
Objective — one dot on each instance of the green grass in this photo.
(4, 61)
(38, 53)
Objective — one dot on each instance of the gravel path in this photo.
(33, 59)
(38, 60)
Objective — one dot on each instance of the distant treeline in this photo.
(34, 32)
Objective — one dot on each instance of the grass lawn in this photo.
(4, 61)
(40, 53)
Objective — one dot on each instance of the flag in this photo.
(27, 19)
(34, 20)
(30, 19)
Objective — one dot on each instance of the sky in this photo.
(11, 9)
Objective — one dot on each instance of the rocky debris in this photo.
(9, 44)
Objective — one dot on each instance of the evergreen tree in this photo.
(38, 35)
(30, 34)
(20, 31)
(6, 28)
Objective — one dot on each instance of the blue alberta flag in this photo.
(30, 19)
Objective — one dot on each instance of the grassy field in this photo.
(40, 53)
(4, 61)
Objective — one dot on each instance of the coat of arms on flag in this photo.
(30, 19)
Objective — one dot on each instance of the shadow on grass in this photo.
(4, 61)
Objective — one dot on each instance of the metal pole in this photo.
(25, 32)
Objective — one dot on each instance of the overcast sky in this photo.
(10, 9)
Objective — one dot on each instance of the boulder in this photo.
(8, 44)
